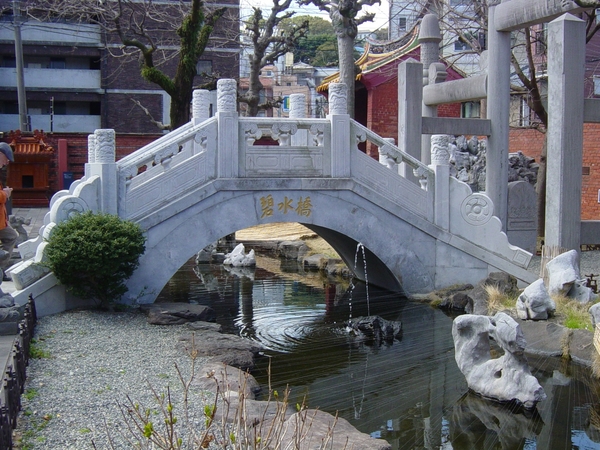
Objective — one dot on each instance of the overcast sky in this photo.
(380, 21)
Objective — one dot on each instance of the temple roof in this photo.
(29, 145)
(377, 55)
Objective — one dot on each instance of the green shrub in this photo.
(93, 255)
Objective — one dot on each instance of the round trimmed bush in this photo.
(93, 255)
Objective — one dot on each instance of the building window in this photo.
(402, 23)
(58, 63)
(597, 86)
(60, 108)
(470, 110)
(461, 45)
(204, 67)
(9, 61)
(525, 113)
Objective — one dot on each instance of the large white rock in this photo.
(563, 271)
(564, 278)
(239, 258)
(503, 379)
(535, 303)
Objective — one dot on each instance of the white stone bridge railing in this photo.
(181, 162)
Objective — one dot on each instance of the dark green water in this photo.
(410, 392)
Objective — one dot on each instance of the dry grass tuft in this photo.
(498, 300)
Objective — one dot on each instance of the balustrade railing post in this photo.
(228, 133)
(104, 166)
(91, 154)
(340, 131)
(440, 157)
(200, 105)
(298, 111)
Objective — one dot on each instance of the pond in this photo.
(409, 392)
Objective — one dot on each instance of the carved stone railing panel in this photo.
(157, 174)
(390, 185)
(284, 160)
(393, 152)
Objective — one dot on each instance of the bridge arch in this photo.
(397, 258)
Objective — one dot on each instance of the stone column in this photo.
(566, 63)
(105, 167)
(410, 103)
(429, 39)
(298, 111)
(440, 157)
(227, 118)
(498, 99)
(340, 131)
(200, 106)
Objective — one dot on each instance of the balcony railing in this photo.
(52, 32)
(62, 123)
(52, 78)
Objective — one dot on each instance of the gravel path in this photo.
(94, 360)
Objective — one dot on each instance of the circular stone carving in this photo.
(477, 209)
(67, 207)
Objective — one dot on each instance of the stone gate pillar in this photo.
(340, 130)
(410, 104)
(227, 118)
(429, 39)
(566, 63)
(498, 100)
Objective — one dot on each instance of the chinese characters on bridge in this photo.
(302, 206)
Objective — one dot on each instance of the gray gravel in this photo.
(95, 360)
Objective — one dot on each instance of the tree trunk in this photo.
(252, 97)
(347, 75)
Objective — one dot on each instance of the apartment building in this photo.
(77, 79)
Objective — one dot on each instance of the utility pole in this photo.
(22, 98)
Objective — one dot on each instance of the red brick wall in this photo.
(382, 112)
(530, 142)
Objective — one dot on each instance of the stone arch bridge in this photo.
(210, 178)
